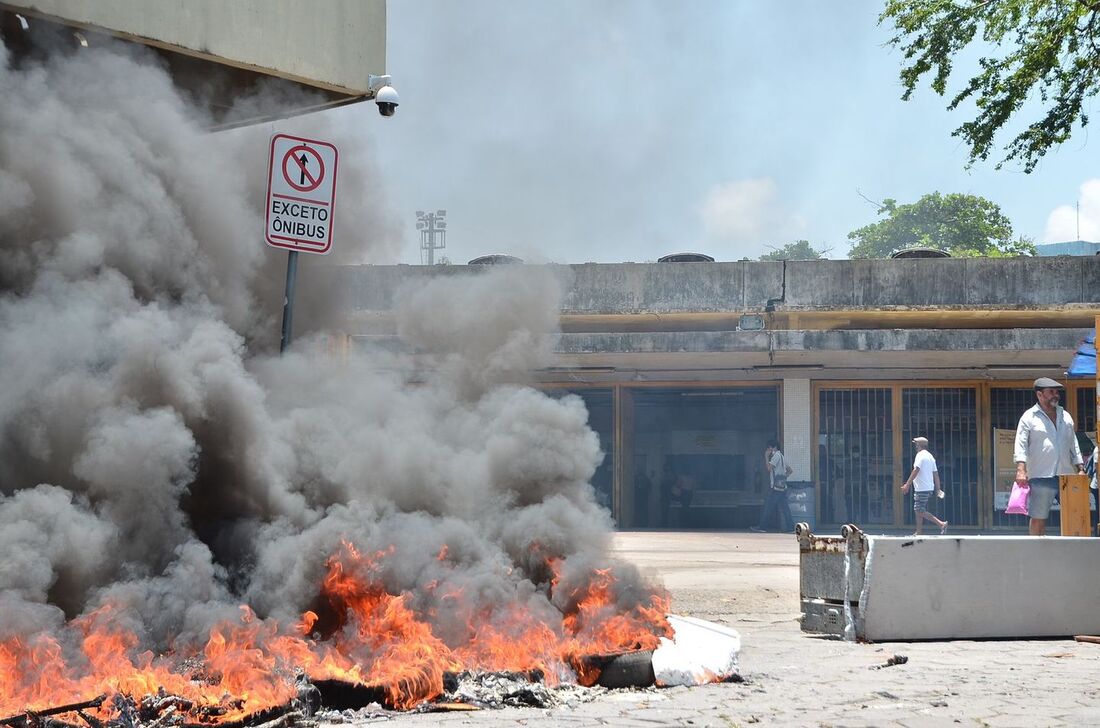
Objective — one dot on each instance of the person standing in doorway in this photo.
(668, 479)
(1046, 447)
(775, 502)
(643, 488)
(925, 479)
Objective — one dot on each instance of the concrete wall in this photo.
(630, 288)
(333, 44)
(992, 347)
(797, 427)
(890, 340)
(671, 287)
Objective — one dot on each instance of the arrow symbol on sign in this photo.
(303, 158)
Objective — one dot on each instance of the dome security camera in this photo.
(383, 94)
(386, 98)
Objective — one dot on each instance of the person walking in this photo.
(775, 502)
(924, 479)
(1046, 447)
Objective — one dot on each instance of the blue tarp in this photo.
(1084, 361)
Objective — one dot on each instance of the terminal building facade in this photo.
(688, 369)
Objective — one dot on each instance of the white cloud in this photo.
(1062, 223)
(749, 214)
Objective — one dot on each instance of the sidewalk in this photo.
(750, 581)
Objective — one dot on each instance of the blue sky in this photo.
(610, 131)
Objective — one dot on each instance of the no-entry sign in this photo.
(301, 194)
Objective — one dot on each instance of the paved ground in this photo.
(750, 582)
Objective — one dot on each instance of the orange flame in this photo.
(365, 635)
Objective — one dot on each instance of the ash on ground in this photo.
(366, 714)
(478, 690)
(513, 689)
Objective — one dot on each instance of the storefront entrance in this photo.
(696, 455)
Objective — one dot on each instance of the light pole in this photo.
(433, 233)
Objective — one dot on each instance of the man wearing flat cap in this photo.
(1046, 447)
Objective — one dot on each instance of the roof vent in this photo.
(496, 259)
(686, 258)
(921, 253)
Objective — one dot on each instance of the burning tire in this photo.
(630, 670)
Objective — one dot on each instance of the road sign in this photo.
(301, 194)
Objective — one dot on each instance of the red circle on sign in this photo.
(310, 182)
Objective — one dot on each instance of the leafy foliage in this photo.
(1038, 48)
(798, 250)
(963, 225)
(1011, 249)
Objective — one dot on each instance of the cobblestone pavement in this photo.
(750, 582)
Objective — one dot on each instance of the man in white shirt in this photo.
(925, 479)
(1046, 447)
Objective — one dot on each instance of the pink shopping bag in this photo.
(1017, 500)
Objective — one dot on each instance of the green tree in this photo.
(962, 225)
(1023, 245)
(798, 250)
(1048, 50)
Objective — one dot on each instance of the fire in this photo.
(364, 635)
(379, 636)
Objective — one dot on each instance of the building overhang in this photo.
(990, 354)
(291, 58)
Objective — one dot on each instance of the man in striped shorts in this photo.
(925, 479)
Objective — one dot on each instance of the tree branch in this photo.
(878, 205)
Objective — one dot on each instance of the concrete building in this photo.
(688, 368)
(1072, 247)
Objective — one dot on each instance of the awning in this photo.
(1084, 360)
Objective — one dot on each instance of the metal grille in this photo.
(1005, 406)
(1086, 422)
(948, 417)
(855, 456)
(1086, 410)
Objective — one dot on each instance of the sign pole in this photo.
(301, 201)
(288, 299)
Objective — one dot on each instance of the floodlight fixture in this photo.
(433, 234)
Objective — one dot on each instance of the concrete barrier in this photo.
(886, 588)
